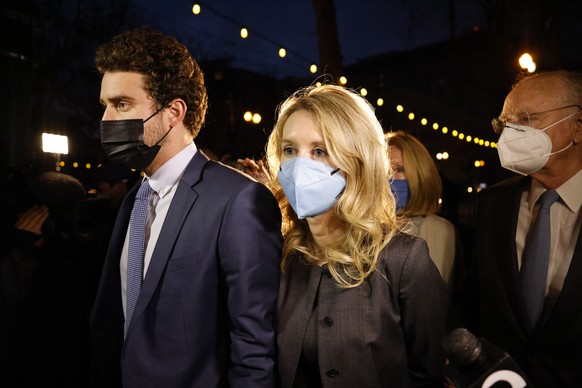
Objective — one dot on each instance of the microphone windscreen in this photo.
(462, 347)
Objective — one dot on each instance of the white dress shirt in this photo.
(565, 223)
(164, 182)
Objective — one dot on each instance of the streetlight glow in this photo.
(526, 62)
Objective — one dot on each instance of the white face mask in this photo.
(525, 150)
(311, 187)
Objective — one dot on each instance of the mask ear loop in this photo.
(563, 149)
(163, 137)
(344, 189)
(155, 113)
(559, 121)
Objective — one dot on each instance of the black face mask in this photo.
(122, 141)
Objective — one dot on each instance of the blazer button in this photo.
(332, 373)
(328, 321)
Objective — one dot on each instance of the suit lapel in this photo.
(181, 205)
(569, 302)
(506, 219)
(121, 224)
(299, 291)
(111, 267)
(108, 309)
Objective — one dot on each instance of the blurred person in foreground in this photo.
(526, 304)
(199, 310)
(49, 268)
(417, 187)
(360, 303)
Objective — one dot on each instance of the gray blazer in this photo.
(386, 332)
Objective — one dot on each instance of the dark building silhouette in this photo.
(18, 60)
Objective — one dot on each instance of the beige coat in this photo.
(442, 240)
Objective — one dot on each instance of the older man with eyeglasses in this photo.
(524, 288)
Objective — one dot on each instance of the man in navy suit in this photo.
(541, 139)
(210, 263)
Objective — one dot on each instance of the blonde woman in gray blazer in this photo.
(360, 303)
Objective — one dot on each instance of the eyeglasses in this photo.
(498, 124)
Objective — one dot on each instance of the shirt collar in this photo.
(569, 192)
(170, 172)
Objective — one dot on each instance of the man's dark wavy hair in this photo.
(169, 69)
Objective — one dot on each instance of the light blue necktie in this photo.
(136, 248)
(536, 259)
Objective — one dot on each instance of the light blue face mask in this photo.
(401, 192)
(311, 187)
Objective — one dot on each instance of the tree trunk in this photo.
(329, 48)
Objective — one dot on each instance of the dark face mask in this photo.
(122, 141)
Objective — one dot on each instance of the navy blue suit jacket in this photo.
(204, 317)
(550, 354)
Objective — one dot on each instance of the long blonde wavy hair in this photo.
(366, 211)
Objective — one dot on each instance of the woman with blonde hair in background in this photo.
(417, 186)
(361, 304)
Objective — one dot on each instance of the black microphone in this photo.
(476, 363)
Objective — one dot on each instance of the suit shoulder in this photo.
(503, 190)
(402, 245)
(223, 181)
(405, 240)
(408, 256)
(222, 170)
(226, 177)
(511, 184)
